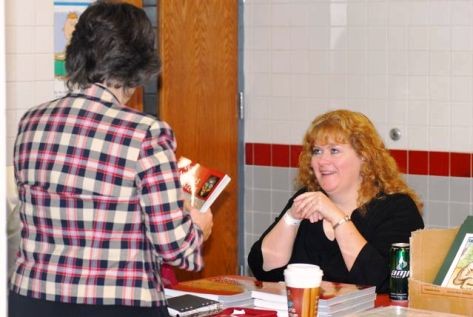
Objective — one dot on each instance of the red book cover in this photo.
(201, 185)
(225, 288)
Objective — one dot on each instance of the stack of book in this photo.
(336, 299)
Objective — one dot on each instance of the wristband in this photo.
(342, 221)
(290, 220)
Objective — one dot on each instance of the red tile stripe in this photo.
(409, 162)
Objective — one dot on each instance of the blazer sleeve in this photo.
(176, 240)
(255, 257)
(393, 219)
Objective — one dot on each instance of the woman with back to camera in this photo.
(99, 189)
(352, 206)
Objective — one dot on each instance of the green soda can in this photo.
(399, 265)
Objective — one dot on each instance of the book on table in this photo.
(246, 312)
(362, 302)
(192, 305)
(230, 290)
(350, 306)
(354, 308)
(456, 270)
(270, 291)
(336, 299)
(262, 303)
(234, 290)
(201, 185)
(398, 311)
(331, 293)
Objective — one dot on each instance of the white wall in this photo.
(3, 202)
(407, 64)
(404, 63)
(29, 56)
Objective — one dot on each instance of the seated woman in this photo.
(352, 205)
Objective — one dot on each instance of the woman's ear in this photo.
(127, 94)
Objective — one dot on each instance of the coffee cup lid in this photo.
(301, 275)
(303, 266)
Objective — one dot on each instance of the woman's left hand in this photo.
(316, 206)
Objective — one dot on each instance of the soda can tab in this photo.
(399, 267)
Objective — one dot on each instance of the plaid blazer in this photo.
(101, 204)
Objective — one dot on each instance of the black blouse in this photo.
(389, 219)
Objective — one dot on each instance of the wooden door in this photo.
(198, 98)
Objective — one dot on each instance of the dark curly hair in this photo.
(379, 170)
(113, 43)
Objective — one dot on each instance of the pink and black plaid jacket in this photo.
(100, 203)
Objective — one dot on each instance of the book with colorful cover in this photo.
(228, 289)
(455, 271)
(201, 185)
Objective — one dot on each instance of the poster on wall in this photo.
(66, 14)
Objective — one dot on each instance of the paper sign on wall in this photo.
(66, 15)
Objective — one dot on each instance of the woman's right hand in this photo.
(204, 220)
(316, 206)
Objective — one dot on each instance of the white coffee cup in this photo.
(303, 289)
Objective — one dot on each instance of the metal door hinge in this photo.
(241, 105)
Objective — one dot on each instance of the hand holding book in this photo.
(201, 185)
(203, 220)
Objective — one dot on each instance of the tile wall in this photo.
(29, 59)
(407, 64)
(29, 56)
(3, 191)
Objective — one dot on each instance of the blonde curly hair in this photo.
(379, 170)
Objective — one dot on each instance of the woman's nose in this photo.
(323, 157)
